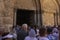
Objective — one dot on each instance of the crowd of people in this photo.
(34, 32)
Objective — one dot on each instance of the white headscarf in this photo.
(55, 30)
(55, 33)
(8, 36)
(32, 33)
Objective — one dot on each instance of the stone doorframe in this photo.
(36, 18)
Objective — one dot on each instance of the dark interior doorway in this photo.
(24, 16)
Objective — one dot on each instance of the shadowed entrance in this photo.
(24, 16)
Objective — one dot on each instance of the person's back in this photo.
(56, 36)
(51, 37)
(49, 32)
(21, 35)
(42, 33)
(31, 36)
(43, 38)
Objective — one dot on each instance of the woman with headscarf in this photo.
(55, 33)
(31, 36)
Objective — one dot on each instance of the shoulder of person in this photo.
(35, 38)
(43, 38)
(47, 39)
(27, 38)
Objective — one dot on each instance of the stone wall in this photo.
(7, 8)
(48, 19)
(6, 14)
(7, 11)
(26, 4)
(49, 8)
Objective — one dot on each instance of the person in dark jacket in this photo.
(23, 32)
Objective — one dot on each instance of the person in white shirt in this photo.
(8, 37)
(31, 36)
(42, 33)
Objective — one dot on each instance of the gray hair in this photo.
(24, 25)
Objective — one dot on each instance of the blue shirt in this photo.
(51, 37)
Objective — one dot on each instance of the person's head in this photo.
(55, 30)
(34, 27)
(49, 30)
(42, 31)
(24, 27)
(32, 33)
(18, 26)
(59, 27)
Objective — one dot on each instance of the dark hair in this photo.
(58, 27)
(42, 31)
(34, 26)
(49, 30)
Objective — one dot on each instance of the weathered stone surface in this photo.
(7, 20)
(58, 20)
(26, 4)
(49, 5)
(6, 13)
(7, 8)
(1, 22)
(48, 19)
(1, 5)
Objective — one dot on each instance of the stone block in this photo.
(7, 20)
(48, 19)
